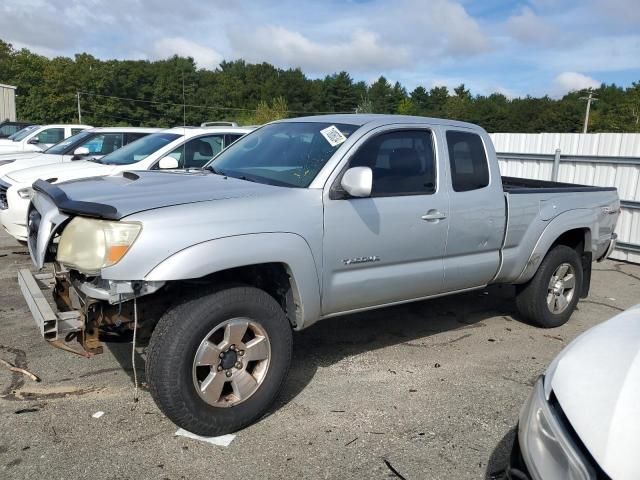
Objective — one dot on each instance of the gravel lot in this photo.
(432, 388)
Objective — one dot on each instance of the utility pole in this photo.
(79, 111)
(589, 99)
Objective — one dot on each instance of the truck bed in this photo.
(515, 185)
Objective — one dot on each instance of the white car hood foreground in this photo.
(18, 155)
(596, 380)
(24, 160)
(61, 172)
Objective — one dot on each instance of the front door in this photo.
(390, 246)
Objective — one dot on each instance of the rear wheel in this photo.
(550, 297)
(217, 362)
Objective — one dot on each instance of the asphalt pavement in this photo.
(431, 390)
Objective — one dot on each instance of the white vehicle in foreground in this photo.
(582, 420)
(93, 143)
(39, 138)
(175, 148)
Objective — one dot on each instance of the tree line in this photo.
(174, 91)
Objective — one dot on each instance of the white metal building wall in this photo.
(7, 102)
(603, 159)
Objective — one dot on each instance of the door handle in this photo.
(433, 215)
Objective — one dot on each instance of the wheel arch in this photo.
(282, 264)
(573, 229)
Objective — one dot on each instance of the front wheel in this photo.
(217, 362)
(550, 297)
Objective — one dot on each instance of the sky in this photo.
(518, 48)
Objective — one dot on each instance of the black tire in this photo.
(176, 339)
(531, 298)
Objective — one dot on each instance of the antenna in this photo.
(589, 99)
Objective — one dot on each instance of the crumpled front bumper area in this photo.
(54, 326)
(88, 310)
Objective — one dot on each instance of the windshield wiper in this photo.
(213, 170)
(244, 177)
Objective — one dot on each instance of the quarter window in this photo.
(468, 160)
(402, 162)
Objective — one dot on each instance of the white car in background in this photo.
(175, 148)
(88, 144)
(39, 138)
(582, 420)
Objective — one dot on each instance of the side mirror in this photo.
(357, 181)
(168, 163)
(81, 152)
(34, 141)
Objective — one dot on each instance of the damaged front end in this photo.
(89, 309)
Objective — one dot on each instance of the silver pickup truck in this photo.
(301, 220)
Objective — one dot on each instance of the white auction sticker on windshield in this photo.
(333, 135)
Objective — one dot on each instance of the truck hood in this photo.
(596, 380)
(117, 196)
(66, 171)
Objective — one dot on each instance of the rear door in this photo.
(477, 212)
(388, 247)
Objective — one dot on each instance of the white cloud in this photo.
(205, 57)
(361, 52)
(527, 27)
(438, 28)
(623, 12)
(572, 81)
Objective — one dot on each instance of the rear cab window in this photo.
(468, 161)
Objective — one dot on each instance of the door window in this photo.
(51, 135)
(403, 163)
(104, 143)
(468, 160)
(6, 130)
(197, 152)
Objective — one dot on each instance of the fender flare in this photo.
(581, 218)
(221, 254)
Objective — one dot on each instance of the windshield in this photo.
(61, 147)
(288, 154)
(19, 135)
(140, 149)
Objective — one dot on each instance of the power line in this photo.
(218, 107)
(100, 114)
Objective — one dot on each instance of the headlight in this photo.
(89, 245)
(546, 445)
(26, 193)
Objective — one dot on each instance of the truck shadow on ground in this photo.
(333, 340)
